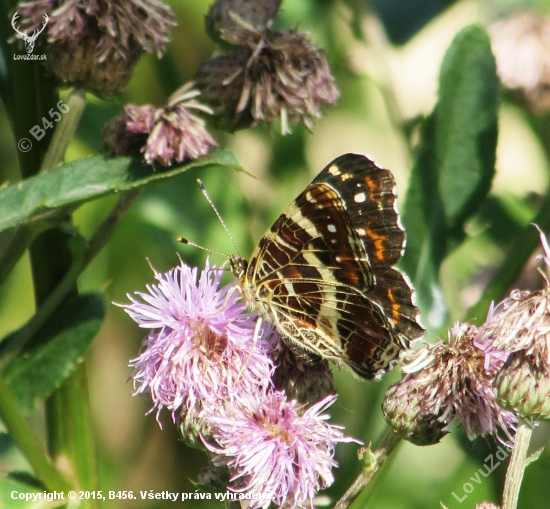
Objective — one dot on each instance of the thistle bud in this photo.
(406, 410)
(523, 386)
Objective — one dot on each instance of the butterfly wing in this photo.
(322, 273)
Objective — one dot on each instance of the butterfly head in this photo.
(238, 266)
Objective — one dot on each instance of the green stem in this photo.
(83, 430)
(75, 435)
(516, 467)
(376, 460)
(33, 96)
(28, 443)
(65, 130)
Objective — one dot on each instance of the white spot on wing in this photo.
(334, 170)
(331, 228)
(359, 197)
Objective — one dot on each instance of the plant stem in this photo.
(75, 435)
(27, 442)
(376, 461)
(65, 130)
(516, 467)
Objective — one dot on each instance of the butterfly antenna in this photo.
(202, 188)
(183, 240)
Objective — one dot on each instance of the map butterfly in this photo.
(323, 272)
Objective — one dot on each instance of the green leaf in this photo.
(68, 186)
(45, 363)
(466, 123)
(454, 165)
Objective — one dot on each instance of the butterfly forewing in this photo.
(322, 273)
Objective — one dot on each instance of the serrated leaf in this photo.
(454, 165)
(43, 365)
(70, 185)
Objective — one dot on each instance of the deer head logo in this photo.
(29, 39)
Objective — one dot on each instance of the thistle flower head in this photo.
(210, 364)
(521, 322)
(95, 44)
(519, 327)
(201, 349)
(282, 76)
(220, 81)
(276, 448)
(169, 134)
(452, 380)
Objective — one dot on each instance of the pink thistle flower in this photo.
(95, 44)
(521, 322)
(518, 329)
(202, 349)
(119, 26)
(281, 76)
(168, 134)
(275, 449)
(446, 382)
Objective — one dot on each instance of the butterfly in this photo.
(322, 273)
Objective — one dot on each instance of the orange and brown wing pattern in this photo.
(323, 272)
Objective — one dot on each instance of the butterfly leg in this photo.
(257, 328)
(225, 302)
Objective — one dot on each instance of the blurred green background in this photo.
(386, 68)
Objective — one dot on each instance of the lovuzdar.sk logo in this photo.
(28, 39)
